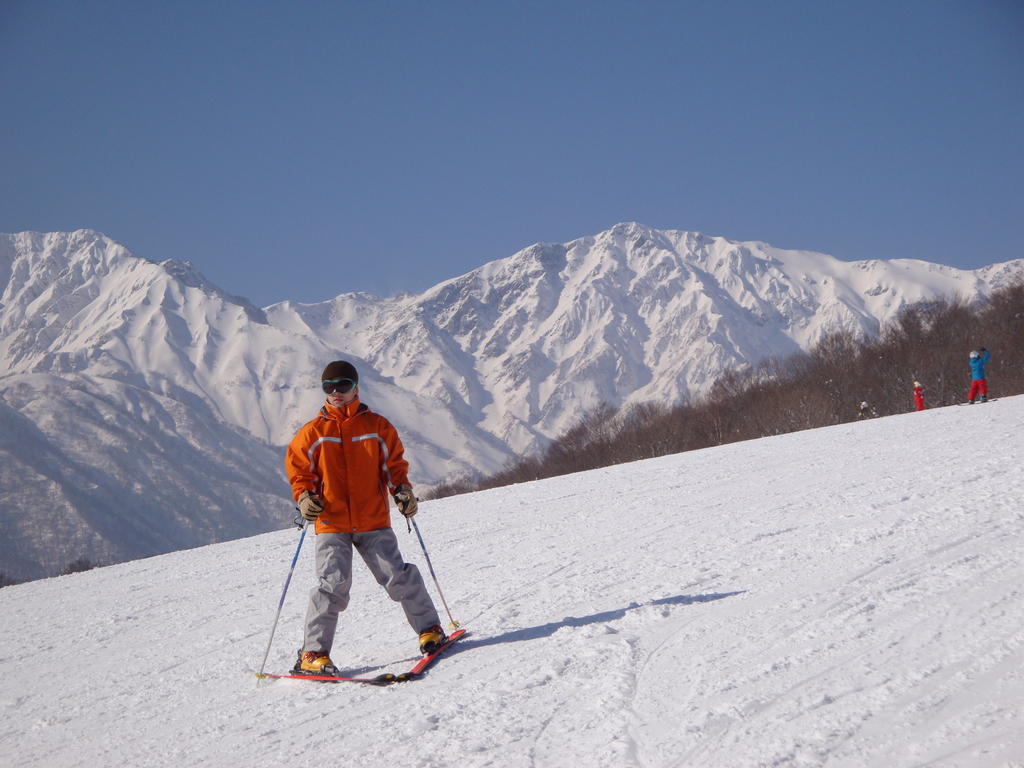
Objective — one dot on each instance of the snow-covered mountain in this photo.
(144, 408)
(521, 345)
(848, 596)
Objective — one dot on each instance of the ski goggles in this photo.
(330, 386)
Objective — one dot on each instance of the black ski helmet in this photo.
(340, 369)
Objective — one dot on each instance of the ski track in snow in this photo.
(849, 596)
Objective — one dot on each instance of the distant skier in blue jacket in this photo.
(979, 384)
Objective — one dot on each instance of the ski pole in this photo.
(280, 604)
(454, 623)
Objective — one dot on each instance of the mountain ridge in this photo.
(100, 345)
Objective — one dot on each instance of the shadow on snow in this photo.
(546, 630)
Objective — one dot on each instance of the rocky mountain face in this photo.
(521, 345)
(144, 409)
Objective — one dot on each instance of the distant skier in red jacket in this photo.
(918, 396)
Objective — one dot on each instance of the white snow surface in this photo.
(848, 596)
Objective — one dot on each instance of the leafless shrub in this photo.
(79, 565)
(7, 581)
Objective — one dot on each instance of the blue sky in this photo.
(297, 150)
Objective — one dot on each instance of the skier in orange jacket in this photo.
(342, 467)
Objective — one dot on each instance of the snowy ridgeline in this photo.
(850, 596)
(145, 410)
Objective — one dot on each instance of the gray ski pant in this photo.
(379, 550)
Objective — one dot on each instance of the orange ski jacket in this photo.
(353, 458)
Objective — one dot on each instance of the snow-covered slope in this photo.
(849, 596)
(132, 390)
(144, 410)
(81, 303)
(97, 468)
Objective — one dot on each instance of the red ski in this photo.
(384, 679)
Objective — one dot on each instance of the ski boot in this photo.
(314, 663)
(431, 639)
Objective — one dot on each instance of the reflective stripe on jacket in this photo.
(353, 458)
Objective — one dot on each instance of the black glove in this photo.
(405, 500)
(310, 505)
